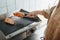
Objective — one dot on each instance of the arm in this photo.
(45, 13)
(35, 13)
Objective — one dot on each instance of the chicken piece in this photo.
(19, 14)
(9, 20)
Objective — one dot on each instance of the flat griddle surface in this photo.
(23, 22)
(7, 28)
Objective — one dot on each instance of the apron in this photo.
(53, 27)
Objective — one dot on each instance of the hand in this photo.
(31, 15)
(34, 13)
(19, 14)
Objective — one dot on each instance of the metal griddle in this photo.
(23, 22)
(7, 28)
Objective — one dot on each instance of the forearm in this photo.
(44, 13)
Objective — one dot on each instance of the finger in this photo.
(31, 16)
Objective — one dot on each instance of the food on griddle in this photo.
(9, 21)
(19, 14)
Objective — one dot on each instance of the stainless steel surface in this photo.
(2, 36)
(22, 30)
